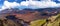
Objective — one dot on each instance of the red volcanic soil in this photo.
(26, 16)
(30, 16)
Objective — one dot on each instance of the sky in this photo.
(34, 4)
(18, 1)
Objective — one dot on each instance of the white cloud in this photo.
(24, 3)
(9, 5)
(58, 0)
(31, 4)
(39, 4)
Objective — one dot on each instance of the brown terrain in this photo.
(26, 15)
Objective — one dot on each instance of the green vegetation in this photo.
(38, 22)
(51, 21)
(54, 21)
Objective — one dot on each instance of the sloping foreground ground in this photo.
(52, 21)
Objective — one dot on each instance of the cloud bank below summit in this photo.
(30, 4)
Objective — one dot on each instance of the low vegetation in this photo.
(51, 21)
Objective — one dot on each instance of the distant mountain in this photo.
(31, 14)
(14, 15)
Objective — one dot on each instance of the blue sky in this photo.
(2, 1)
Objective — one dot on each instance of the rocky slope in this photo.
(28, 17)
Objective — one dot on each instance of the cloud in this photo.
(58, 0)
(9, 5)
(39, 4)
(30, 4)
